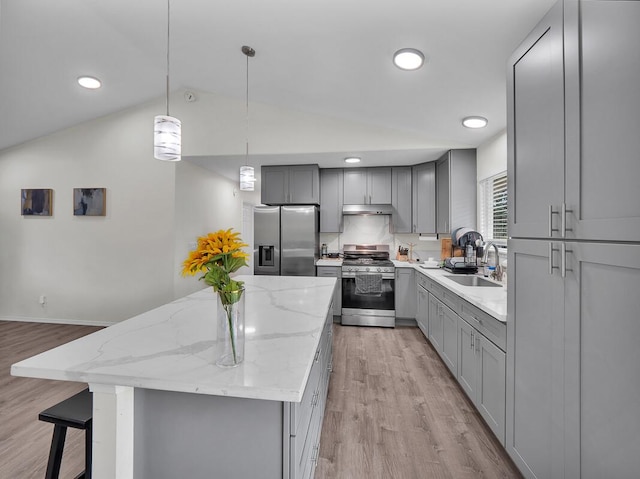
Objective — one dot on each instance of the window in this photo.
(493, 208)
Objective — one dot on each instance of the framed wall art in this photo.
(89, 201)
(36, 202)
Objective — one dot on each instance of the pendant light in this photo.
(247, 173)
(167, 131)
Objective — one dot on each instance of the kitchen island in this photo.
(163, 409)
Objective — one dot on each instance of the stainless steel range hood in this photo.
(367, 210)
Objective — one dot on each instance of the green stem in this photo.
(229, 310)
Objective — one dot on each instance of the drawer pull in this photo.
(317, 356)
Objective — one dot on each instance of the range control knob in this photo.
(379, 269)
(367, 269)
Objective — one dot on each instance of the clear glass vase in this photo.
(230, 340)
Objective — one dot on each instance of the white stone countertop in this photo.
(329, 262)
(171, 347)
(492, 301)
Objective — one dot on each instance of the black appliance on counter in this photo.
(368, 286)
(471, 244)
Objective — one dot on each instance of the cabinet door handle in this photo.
(477, 345)
(551, 266)
(563, 260)
(563, 218)
(472, 345)
(551, 213)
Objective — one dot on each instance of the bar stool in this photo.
(76, 412)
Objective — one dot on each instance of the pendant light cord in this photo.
(168, 34)
(246, 159)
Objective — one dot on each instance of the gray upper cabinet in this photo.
(331, 193)
(293, 185)
(602, 68)
(367, 186)
(573, 111)
(424, 198)
(401, 199)
(535, 98)
(456, 190)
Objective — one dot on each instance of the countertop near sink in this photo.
(492, 301)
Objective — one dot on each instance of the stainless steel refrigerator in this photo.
(286, 240)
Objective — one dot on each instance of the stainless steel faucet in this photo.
(497, 273)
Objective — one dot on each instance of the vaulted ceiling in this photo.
(329, 57)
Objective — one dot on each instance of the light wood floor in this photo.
(395, 412)
(25, 441)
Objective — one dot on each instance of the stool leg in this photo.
(88, 437)
(55, 453)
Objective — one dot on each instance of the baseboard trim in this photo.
(77, 322)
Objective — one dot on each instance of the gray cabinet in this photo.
(422, 309)
(456, 190)
(482, 375)
(405, 293)
(333, 272)
(424, 198)
(367, 186)
(572, 382)
(331, 192)
(436, 333)
(401, 200)
(450, 339)
(293, 185)
(572, 124)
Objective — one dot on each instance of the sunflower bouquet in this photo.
(217, 256)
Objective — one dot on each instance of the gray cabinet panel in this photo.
(535, 368)
(424, 198)
(456, 182)
(274, 187)
(367, 186)
(401, 180)
(450, 339)
(467, 362)
(379, 186)
(422, 310)
(292, 185)
(602, 381)
(405, 293)
(333, 272)
(435, 323)
(491, 392)
(331, 193)
(603, 114)
(355, 186)
(535, 100)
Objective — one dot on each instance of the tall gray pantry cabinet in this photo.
(574, 257)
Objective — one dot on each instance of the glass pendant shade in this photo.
(247, 178)
(167, 138)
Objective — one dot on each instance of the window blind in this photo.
(494, 207)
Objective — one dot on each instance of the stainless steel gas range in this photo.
(368, 286)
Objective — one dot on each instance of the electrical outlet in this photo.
(42, 300)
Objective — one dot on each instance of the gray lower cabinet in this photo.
(450, 339)
(405, 293)
(422, 309)
(280, 440)
(290, 185)
(572, 359)
(331, 192)
(424, 198)
(367, 186)
(333, 272)
(482, 375)
(401, 179)
(456, 190)
(436, 332)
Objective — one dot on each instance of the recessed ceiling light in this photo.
(352, 159)
(90, 83)
(475, 122)
(408, 59)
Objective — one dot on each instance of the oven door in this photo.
(368, 298)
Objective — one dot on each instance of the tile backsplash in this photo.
(375, 230)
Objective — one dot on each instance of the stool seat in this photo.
(76, 412)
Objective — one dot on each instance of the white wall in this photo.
(491, 160)
(204, 202)
(91, 269)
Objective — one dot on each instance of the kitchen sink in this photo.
(472, 281)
